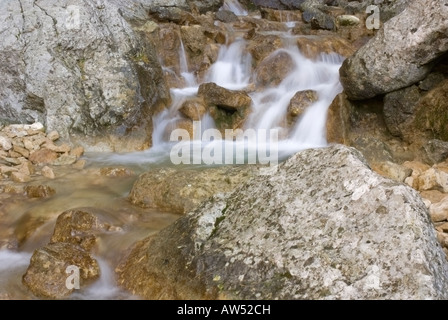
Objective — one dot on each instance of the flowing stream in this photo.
(232, 70)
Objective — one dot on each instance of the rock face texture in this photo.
(333, 229)
(401, 54)
(76, 66)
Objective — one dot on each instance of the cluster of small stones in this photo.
(432, 184)
(27, 151)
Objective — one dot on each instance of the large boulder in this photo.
(333, 229)
(80, 69)
(402, 53)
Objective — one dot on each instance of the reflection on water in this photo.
(27, 224)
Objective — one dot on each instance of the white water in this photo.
(104, 288)
(235, 7)
(232, 70)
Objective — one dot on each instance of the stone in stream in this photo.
(272, 70)
(47, 274)
(181, 191)
(47, 172)
(193, 109)
(402, 53)
(79, 227)
(121, 172)
(229, 108)
(323, 225)
(301, 101)
(39, 191)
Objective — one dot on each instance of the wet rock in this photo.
(399, 111)
(261, 46)
(301, 101)
(332, 230)
(64, 160)
(116, 172)
(43, 156)
(401, 54)
(313, 47)
(229, 108)
(194, 41)
(231, 100)
(272, 70)
(20, 177)
(39, 191)
(226, 16)
(187, 125)
(338, 120)
(47, 172)
(193, 109)
(47, 273)
(78, 227)
(180, 191)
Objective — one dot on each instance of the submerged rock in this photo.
(78, 227)
(301, 101)
(332, 229)
(181, 191)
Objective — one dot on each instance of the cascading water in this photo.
(233, 70)
(235, 7)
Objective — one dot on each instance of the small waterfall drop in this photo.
(235, 7)
(233, 70)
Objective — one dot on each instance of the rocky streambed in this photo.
(365, 217)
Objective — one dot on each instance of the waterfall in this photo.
(235, 7)
(189, 78)
(233, 70)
